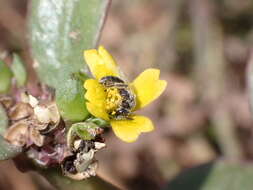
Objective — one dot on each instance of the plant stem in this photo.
(61, 182)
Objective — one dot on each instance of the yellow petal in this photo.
(101, 63)
(95, 96)
(106, 56)
(129, 130)
(148, 87)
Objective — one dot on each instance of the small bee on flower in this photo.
(110, 97)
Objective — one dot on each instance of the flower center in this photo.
(120, 100)
(113, 100)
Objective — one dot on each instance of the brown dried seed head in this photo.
(82, 164)
(90, 171)
(99, 145)
(39, 126)
(77, 144)
(20, 111)
(77, 176)
(55, 115)
(99, 131)
(17, 134)
(68, 165)
(36, 137)
(7, 102)
(42, 114)
(47, 113)
(83, 160)
(32, 101)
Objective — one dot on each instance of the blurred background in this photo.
(202, 48)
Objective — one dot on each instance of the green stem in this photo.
(8, 151)
(61, 182)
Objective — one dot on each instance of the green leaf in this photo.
(70, 100)
(19, 71)
(3, 120)
(218, 175)
(8, 151)
(60, 31)
(84, 130)
(5, 78)
(98, 121)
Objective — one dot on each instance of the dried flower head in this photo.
(37, 127)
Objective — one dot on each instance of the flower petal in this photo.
(148, 87)
(129, 130)
(101, 63)
(106, 56)
(95, 96)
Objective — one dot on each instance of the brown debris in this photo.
(36, 137)
(20, 111)
(28, 119)
(17, 134)
(82, 164)
(36, 126)
(6, 101)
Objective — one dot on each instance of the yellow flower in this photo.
(111, 98)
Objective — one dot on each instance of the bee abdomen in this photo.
(128, 98)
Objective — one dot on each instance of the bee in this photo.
(128, 101)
